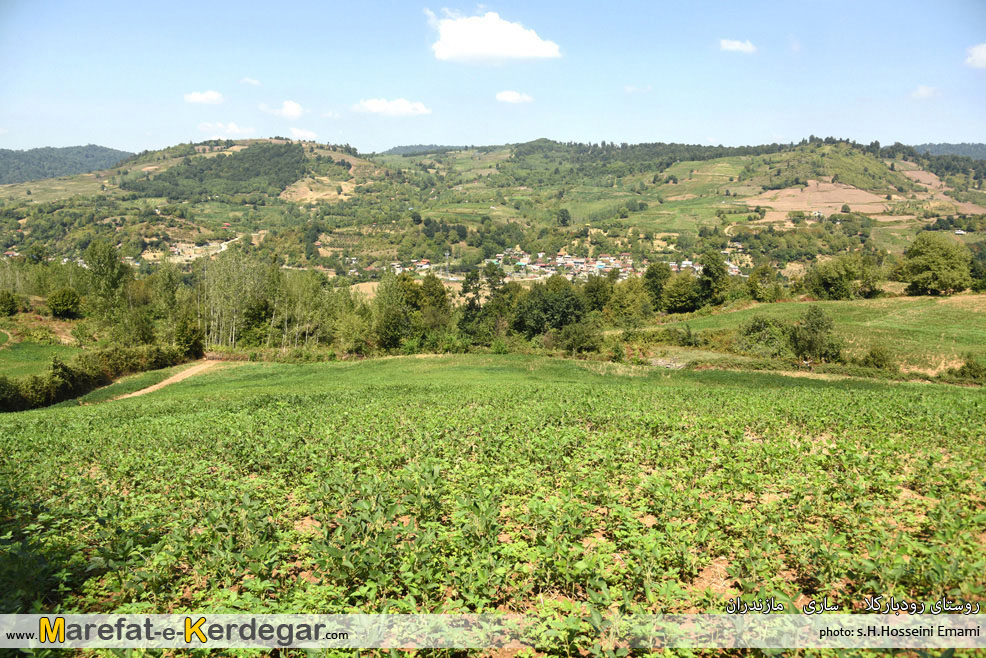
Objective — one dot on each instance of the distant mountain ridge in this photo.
(49, 162)
(419, 149)
(970, 150)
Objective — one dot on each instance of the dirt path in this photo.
(184, 374)
(10, 338)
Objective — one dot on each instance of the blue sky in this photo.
(136, 75)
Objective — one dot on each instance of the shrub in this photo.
(83, 333)
(10, 395)
(579, 337)
(812, 339)
(64, 303)
(764, 337)
(935, 265)
(973, 369)
(189, 338)
(83, 373)
(879, 357)
(8, 303)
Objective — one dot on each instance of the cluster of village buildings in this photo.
(519, 265)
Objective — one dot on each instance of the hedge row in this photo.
(83, 373)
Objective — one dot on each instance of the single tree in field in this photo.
(597, 290)
(762, 283)
(845, 208)
(107, 274)
(564, 217)
(680, 294)
(715, 278)
(935, 264)
(811, 339)
(630, 305)
(655, 278)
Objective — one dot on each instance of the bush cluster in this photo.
(82, 374)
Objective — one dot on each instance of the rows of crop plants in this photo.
(504, 483)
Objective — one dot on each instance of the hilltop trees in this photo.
(935, 264)
(267, 168)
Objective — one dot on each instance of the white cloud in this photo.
(513, 97)
(924, 91)
(3, 131)
(250, 81)
(331, 115)
(487, 38)
(634, 89)
(219, 129)
(399, 107)
(301, 133)
(288, 110)
(206, 97)
(737, 46)
(977, 56)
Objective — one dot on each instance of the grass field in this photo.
(125, 385)
(500, 483)
(29, 358)
(923, 333)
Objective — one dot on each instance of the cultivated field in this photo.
(504, 483)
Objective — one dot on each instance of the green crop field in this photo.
(30, 358)
(492, 483)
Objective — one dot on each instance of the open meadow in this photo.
(492, 483)
(926, 334)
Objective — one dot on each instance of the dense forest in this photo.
(261, 168)
(419, 149)
(968, 150)
(49, 162)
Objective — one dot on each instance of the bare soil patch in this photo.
(820, 196)
(715, 578)
(322, 188)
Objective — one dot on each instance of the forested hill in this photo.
(419, 149)
(975, 151)
(49, 162)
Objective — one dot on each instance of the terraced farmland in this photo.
(492, 483)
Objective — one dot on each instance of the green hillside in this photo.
(324, 205)
(49, 162)
(922, 333)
